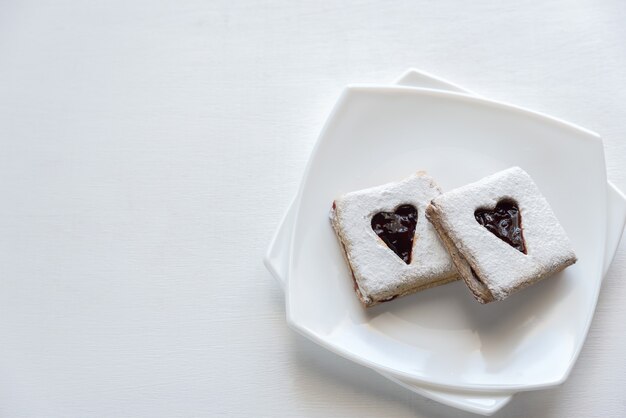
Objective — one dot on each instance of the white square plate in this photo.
(441, 336)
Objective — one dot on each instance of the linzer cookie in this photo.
(391, 248)
(501, 233)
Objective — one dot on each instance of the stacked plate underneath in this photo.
(440, 343)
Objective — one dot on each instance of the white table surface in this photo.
(149, 149)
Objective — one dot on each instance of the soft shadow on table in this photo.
(275, 294)
(273, 290)
(320, 369)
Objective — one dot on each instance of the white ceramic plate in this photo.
(442, 337)
(277, 262)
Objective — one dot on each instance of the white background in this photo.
(149, 149)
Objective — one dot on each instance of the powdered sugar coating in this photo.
(502, 268)
(378, 272)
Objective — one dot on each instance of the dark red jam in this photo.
(505, 222)
(397, 230)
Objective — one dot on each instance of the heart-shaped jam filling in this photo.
(397, 230)
(505, 222)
